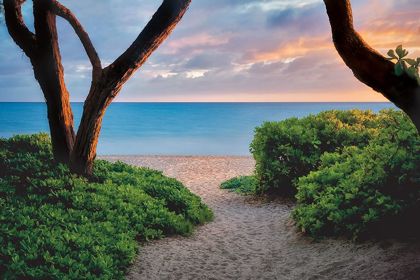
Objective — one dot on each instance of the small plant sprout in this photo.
(408, 65)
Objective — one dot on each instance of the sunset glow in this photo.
(222, 51)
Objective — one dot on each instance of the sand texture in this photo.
(256, 241)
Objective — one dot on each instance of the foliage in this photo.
(353, 172)
(244, 185)
(289, 149)
(364, 189)
(54, 224)
(407, 65)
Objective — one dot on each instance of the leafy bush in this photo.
(242, 185)
(54, 224)
(289, 149)
(353, 172)
(364, 189)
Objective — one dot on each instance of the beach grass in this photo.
(244, 185)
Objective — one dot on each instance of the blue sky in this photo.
(236, 50)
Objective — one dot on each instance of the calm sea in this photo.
(173, 128)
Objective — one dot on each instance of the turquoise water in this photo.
(173, 128)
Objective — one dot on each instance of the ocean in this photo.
(173, 128)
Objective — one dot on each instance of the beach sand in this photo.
(256, 241)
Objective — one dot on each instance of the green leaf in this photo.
(413, 72)
(399, 68)
(399, 51)
(391, 53)
(410, 61)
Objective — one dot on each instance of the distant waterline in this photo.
(173, 128)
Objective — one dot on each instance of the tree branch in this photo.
(22, 36)
(115, 75)
(156, 31)
(66, 14)
(368, 66)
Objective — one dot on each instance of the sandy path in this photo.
(248, 241)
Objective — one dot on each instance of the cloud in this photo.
(261, 68)
(237, 50)
(307, 20)
(208, 60)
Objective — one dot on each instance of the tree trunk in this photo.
(413, 111)
(50, 75)
(60, 116)
(43, 51)
(110, 81)
(368, 66)
(44, 54)
(84, 152)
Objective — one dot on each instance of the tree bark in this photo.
(114, 76)
(50, 75)
(66, 14)
(368, 66)
(43, 51)
(44, 54)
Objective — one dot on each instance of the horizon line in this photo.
(166, 102)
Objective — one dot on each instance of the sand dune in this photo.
(254, 241)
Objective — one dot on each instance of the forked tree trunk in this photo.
(43, 51)
(368, 66)
(109, 82)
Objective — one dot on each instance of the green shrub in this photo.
(367, 189)
(242, 185)
(353, 172)
(54, 224)
(287, 150)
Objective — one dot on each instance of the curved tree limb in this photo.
(156, 31)
(368, 66)
(66, 14)
(22, 36)
(115, 75)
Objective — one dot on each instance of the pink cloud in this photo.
(196, 42)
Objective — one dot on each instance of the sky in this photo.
(221, 51)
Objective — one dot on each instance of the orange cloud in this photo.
(390, 30)
(300, 47)
(196, 41)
